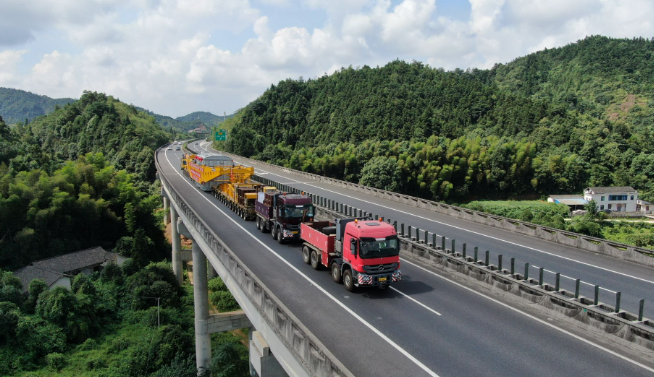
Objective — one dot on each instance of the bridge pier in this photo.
(177, 245)
(201, 302)
(262, 361)
(166, 204)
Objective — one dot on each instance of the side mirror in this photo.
(353, 246)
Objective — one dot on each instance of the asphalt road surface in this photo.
(635, 282)
(427, 324)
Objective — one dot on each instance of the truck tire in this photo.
(336, 273)
(273, 232)
(348, 280)
(315, 261)
(306, 255)
(280, 236)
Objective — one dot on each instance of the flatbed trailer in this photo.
(239, 197)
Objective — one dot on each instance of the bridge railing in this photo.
(304, 345)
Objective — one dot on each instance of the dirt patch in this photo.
(186, 242)
(617, 112)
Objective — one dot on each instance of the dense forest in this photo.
(19, 105)
(109, 325)
(79, 177)
(555, 121)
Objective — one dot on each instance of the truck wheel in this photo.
(306, 255)
(315, 262)
(348, 281)
(280, 236)
(273, 232)
(336, 272)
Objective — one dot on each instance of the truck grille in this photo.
(380, 268)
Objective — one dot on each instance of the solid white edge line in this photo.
(343, 306)
(463, 229)
(497, 302)
(414, 300)
(533, 317)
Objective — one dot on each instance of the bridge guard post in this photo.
(262, 362)
(177, 246)
(201, 301)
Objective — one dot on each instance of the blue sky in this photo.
(178, 56)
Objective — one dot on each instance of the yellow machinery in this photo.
(211, 170)
(231, 184)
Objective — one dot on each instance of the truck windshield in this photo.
(298, 211)
(379, 248)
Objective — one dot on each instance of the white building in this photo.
(617, 199)
(644, 207)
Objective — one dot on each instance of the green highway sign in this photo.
(220, 135)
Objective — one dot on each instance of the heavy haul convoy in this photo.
(359, 252)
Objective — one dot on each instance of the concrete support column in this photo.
(177, 246)
(201, 301)
(210, 270)
(166, 214)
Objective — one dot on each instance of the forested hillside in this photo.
(79, 177)
(18, 105)
(553, 122)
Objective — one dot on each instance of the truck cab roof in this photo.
(364, 228)
(294, 199)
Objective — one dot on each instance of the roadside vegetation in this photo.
(593, 223)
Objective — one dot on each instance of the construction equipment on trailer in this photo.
(239, 197)
(210, 170)
(281, 213)
(359, 252)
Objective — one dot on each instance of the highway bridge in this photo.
(430, 323)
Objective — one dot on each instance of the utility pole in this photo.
(158, 309)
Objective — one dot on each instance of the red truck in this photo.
(281, 213)
(360, 252)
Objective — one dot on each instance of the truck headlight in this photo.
(287, 233)
(397, 275)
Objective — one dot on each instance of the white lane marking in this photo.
(414, 300)
(343, 306)
(468, 230)
(532, 317)
(471, 290)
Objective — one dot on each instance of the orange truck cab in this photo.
(359, 252)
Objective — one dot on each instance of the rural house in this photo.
(617, 199)
(59, 271)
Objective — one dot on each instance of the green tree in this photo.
(9, 316)
(36, 287)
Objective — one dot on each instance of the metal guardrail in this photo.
(304, 345)
(597, 245)
(596, 316)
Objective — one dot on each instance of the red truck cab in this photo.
(360, 252)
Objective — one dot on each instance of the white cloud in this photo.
(172, 56)
(9, 60)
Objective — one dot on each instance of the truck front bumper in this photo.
(291, 235)
(366, 280)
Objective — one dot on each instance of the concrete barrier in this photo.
(599, 319)
(596, 245)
